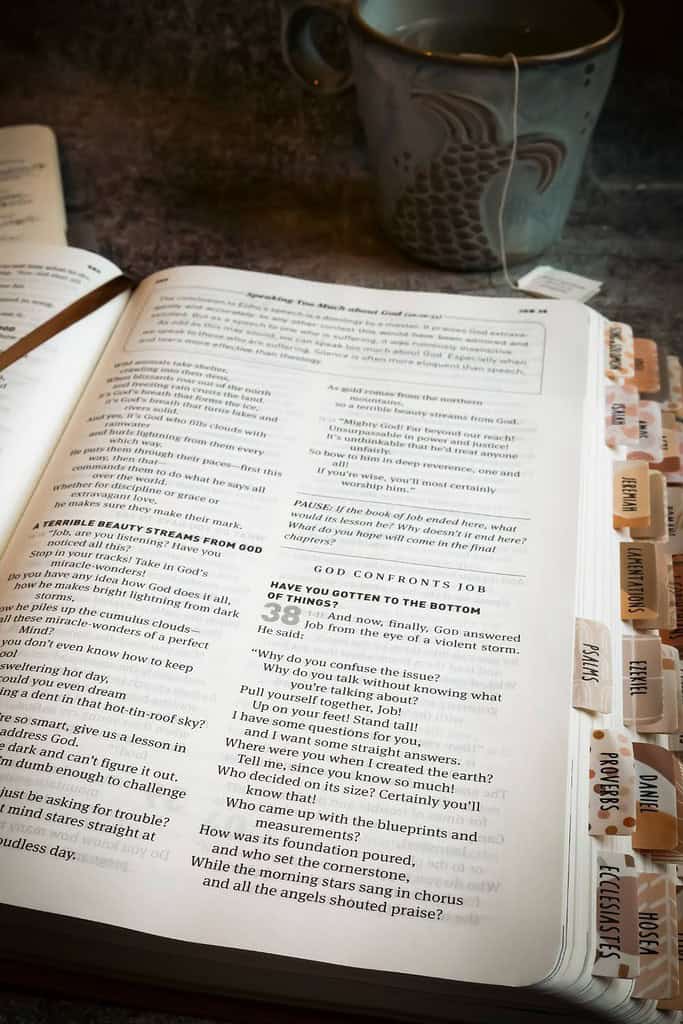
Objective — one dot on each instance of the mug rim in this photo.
(581, 52)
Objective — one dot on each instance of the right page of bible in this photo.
(287, 629)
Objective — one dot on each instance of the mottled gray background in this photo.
(184, 140)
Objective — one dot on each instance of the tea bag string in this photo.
(511, 164)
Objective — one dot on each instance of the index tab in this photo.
(592, 685)
(631, 495)
(647, 377)
(658, 528)
(612, 801)
(675, 740)
(675, 519)
(667, 617)
(674, 515)
(674, 856)
(639, 586)
(619, 351)
(675, 476)
(621, 415)
(650, 443)
(616, 953)
(656, 812)
(657, 935)
(675, 636)
(671, 459)
(673, 368)
(675, 1002)
(643, 682)
(671, 689)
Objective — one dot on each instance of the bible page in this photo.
(39, 391)
(31, 197)
(286, 632)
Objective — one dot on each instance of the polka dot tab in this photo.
(612, 789)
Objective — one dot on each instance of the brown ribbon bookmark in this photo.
(87, 303)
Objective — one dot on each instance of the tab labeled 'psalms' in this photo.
(592, 683)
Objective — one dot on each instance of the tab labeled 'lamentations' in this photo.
(639, 587)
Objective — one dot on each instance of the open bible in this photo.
(288, 632)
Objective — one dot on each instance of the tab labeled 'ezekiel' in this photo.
(643, 682)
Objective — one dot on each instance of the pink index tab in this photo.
(621, 415)
(592, 683)
(619, 352)
(675, 1002)
(612, 798)
(657, 937)
(649, 445)
(616, 952)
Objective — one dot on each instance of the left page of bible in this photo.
(39, 391)
(31, 195)
(282, 649)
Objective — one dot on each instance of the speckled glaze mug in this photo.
(435, 83)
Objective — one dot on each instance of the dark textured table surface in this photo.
(184, 141)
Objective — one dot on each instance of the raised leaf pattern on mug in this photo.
(438, 217)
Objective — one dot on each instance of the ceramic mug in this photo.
(436, 84)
